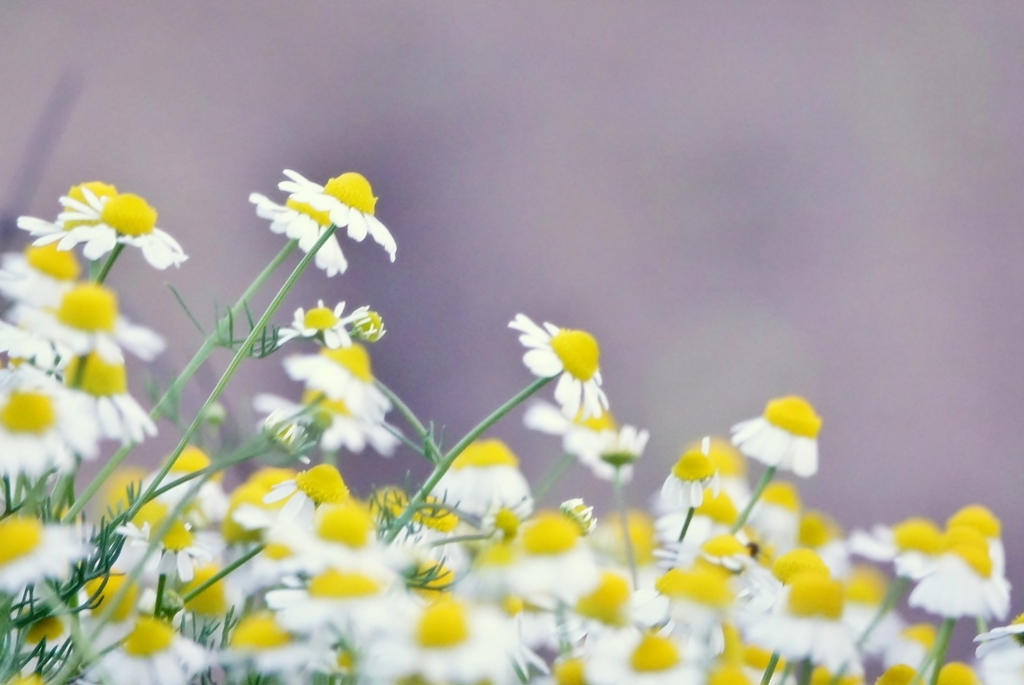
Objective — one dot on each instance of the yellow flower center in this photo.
(436, 517)
(89, 307)
(578, 352)
(921, 633)
(817, 529)
(354, 190)
(728, 674)
(654, 653)
(211, 601)
(325, 409)
(815, 594)
(57, 264)
(723, 546)
(321, 218)
(719, 509)
(149, 636)
(433, 578)
(693, 465)
(129, 214)
(355, 359)
(277, 551)
(978, 517)
(758, 658)
(28, 412)
(322, 484)
(729, 461)
(798, 561)
(507, 522)
(641, 536)
(822, 676)
(348, 523)
(512, 605)
(125, 606)
(900, 674)
(781, 494)
(957, 673)
(794, 415)
(30, 679)
(701, 584)
(98, 378)
(550, 533)
(234, 533)
(99, 189)
(320, 319)
(970, 546)
(866, 585)
(152, 512)
(370, 327)
(484, 453)
(177, 537)
(49, 628)
(498, 554)
(569, 672)
(919, 535)
(338, 585)
(608, 601)
(190, 460)
(18, 537)
(258, 632)
(443, 625)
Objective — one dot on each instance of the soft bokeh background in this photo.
(739, 199)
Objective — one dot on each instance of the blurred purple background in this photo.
(740, 200)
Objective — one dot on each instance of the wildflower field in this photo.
(166, 578)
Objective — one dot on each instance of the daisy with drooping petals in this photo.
(179, 551)
(323, 324)
(556, 565)
(638, 658)
(580, 437)
(343, 374)
(153, 653)
(259, 644)
(573, 355)
(340, 427)
(693, 472)
(321, 484)
(38, 277)
(617, 452)
(31, 552)
(104, 386)
(484, 477)
(785, 436)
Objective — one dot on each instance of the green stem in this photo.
(445, 462)
(107, 265)
(758, 489)
(174, 390)
(770, 670)
(980, 624)
(627, 541)
(941, 644)
(892, 596)
(430, 448)
(161, 584)
(206, 584)
(686, 523)
(552, 476)
(806, 668)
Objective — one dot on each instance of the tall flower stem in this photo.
(446, 462)
(552, 475)
(770, 670)
(686, 523)
(627, 541)
(758, 489)
(892, 596)
(109, 263)
(941, 644)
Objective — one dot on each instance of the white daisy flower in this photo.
(343, 374)
(785, 436)
(573, 355)
(43, 426)
(912, 545)
(208, 505)
(1003, 637)
(38, 277)
(865, 590)
(326, 325)
(485, 477)
(340, 428)
(103, 386)
(260, 644)
(180, 553)
(28, 346)
(693, 472)
(100, 223)
(153, 653)
(321, 484)
(981, 519)
(630, 656)
(617, 452)
(822, 534)
(581, 437)
(87, 319)
(555, 565)
(910, 647)
(31, 552)
(775, 517)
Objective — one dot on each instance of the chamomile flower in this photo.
(911, 646)
(820, 532)
(484, 477)
(865, 589)
(617, 452)
(31, 552)
(685, 484)
(581, 437)
(102, 222)
(1001, 654)
(639, 659)
(785, 436)
(912, 545)
(104, 387)
(323, 324)
(776, 516)
(555, 564)
(321, 484)
(343, 374)
(981, 519)
(570, 354)
(1003, 637)
(42, 426)
(261, 645)
(338, 426)
(153, 653)
(87, 319)
(19, 343)
(209, 504)
(180, 553)
(698, 600)
(38, 277)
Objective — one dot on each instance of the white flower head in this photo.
(103, 386)
(323, 324)
(693, 472)
(153, 653)
(31, 552)
(617, 452)
(785, 436)
(39, 276)
(343, 374)
(570, 354)
(484, 477)
(289, 423)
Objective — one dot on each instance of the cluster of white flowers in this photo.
(469, 578)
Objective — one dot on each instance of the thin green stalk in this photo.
(446, 462)
(174, 390)
(981, 624)
(161, 584)
(941, 644)
(806, 668)
(770, 670)
(758, 489)
(206, 584)
(892, 596)
(107, 265)
(627, 541)
(552, 476)
(430, 448)
(686, 523)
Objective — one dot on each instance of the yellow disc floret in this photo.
(701, 585)
(320, 319)
(781, 494)
(569, 671)
(719, 508)
(342, 585)
(19, 536)
(549, 533)
(693, 465)
(60, 265)
(89, 307)
(212, 600)
(49, 628)
(921, 633)
(815, 594)
(817, 529)
(443, 625)
(97, 188)
(486, 453)
(321, 218)
(866, 585)
(354, 190)
(97, 377)
(822, 676)
(794, 415)
(798, 561)
(729, 461)
(322, 484)
(918, 535)
(507, 522)
(355, 359)
(724, 546)
(28, 412)
(578, 352)
(957, 673)
(129, 214)
(258, 632)
(609, 601)
(978, 517)
(149, 636)
(728, 674)
(348, 523)
(968, 544)
(900, 674)
(654, 653)
(100, 594)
